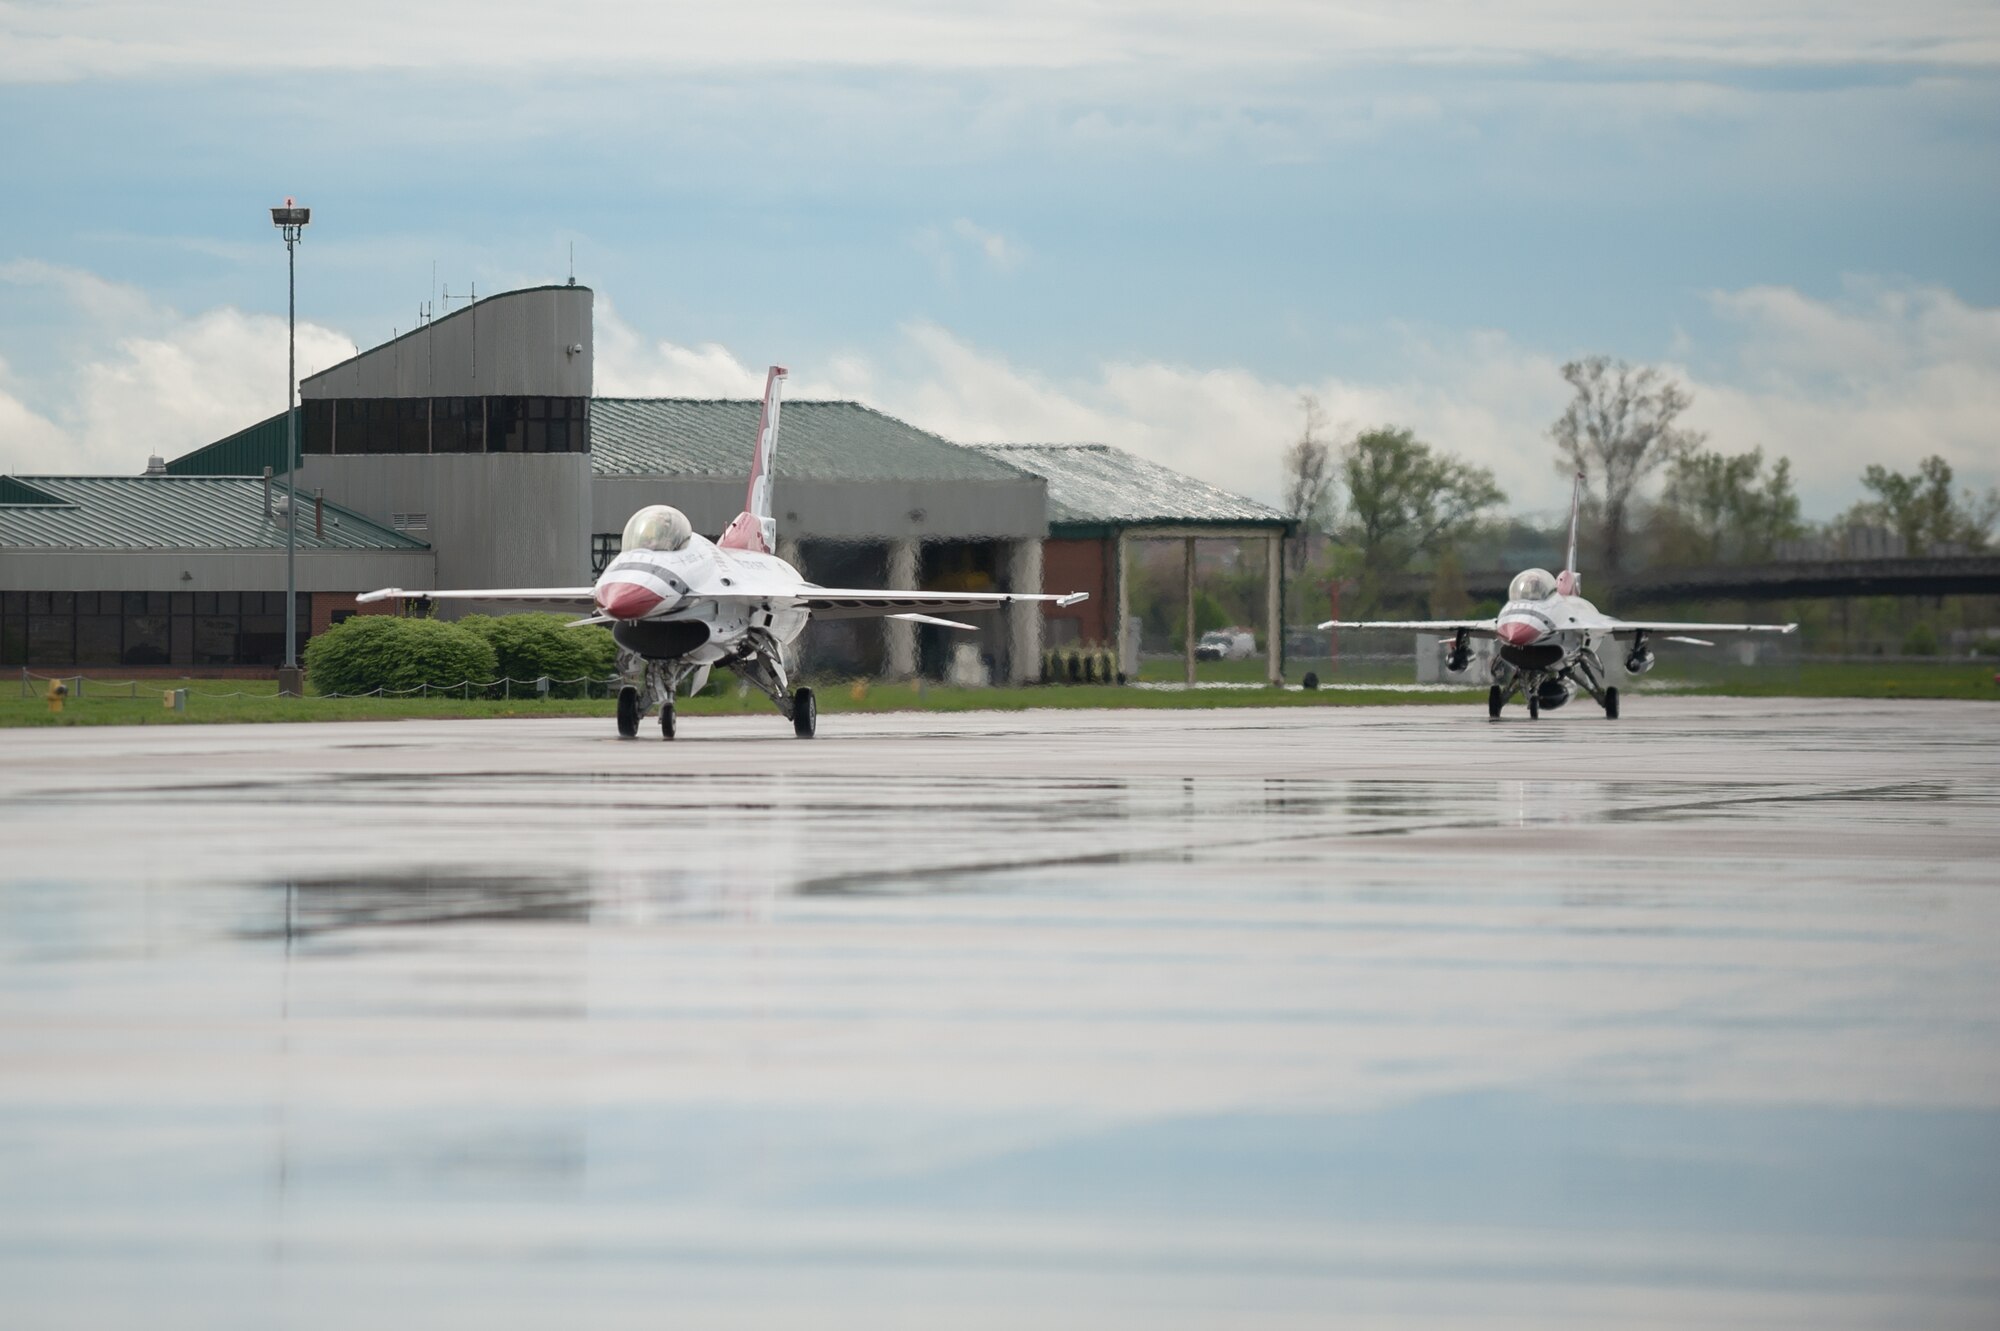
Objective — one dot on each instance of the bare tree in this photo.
(1309, 477)
(1617, 431)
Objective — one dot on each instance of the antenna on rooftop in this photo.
(572, 263)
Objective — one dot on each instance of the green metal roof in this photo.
(173, 513)
(245, 453)
(822, 441)
(1095, 489)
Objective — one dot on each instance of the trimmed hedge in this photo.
(530, 646)
(370, 652)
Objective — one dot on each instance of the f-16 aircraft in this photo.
(679, 604)
(1548, 638)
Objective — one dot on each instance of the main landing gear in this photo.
(656, 683)
(805, 714)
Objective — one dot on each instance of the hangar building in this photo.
(472, 452)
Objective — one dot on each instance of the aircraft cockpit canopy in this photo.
(657, 527)
(1537, 584)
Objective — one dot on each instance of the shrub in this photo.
(529, 646)
(1921, 640)
(370, 652)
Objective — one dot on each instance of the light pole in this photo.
(291, 220)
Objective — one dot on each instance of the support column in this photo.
(1274, 610)
(900, 636)
(1024, 636)
(1188, 644)
(1128, 647)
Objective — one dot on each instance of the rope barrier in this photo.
(79, 691)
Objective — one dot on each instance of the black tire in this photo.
(667, 720)
(1611, 704)
(1534, 705)
(805, 713)
(1495, 700)
(628, 713)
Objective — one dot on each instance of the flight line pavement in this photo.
(1149, 1019)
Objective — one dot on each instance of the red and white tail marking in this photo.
(754, 528)
(1570, 583)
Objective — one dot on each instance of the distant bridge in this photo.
(1948, 575)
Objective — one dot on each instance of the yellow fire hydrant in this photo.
(57, 692)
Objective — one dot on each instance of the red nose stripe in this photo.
(626, 600)
(1518, 633)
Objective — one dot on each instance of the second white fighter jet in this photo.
(1548, 639)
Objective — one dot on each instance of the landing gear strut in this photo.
(764, 666)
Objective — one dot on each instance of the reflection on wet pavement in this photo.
(1351, 1017)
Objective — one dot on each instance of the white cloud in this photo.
(148, 379)
(1001, 252)
(1885, 373)
(125, 38)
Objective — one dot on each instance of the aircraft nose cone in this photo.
(1518, 633)
(626, 600)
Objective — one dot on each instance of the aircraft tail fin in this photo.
(755, 528)
(1571, 582)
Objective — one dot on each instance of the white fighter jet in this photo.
(679, 604)
(1548, 637)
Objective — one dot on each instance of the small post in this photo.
(57, 692)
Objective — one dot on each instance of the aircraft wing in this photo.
(862, 603)
(1477, 628)
(1625, 628)
(561, 595)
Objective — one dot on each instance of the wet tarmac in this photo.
(1381, 1016)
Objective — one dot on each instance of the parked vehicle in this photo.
(1226, 645)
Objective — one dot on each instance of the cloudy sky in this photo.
(1153, 225)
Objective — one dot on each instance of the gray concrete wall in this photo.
(514, 344)
(495, 519)
(210, 570)
(841, 510)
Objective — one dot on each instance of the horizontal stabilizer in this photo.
(588, 620)
(933, 619)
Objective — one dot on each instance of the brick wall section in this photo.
(325, 603)
(1080, 566)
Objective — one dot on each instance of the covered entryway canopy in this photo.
(1102, 498)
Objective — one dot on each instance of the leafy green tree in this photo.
(1618, 429)
(1923, 509)
(1718, 508)
(1405, 500)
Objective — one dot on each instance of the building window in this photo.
(110, 629)
(410, 521)
(603, 549)
(458, 424)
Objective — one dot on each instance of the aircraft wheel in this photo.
(1534, 705)
(805, 713)
(667, 720)
(1611, 704)
(628, 712)
(1495, 700)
